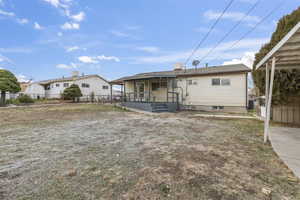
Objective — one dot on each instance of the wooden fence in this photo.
(286, 114)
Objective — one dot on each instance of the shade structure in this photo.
(286, 52)
(285, 55)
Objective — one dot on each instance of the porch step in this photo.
(159, 107)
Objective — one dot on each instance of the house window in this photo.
(215, 81)
(155, 86)
(85, 85)
(190, 82)
(105, 87)
(66, 84)
(57, 85)
(225, 81)
(218, 107)
(175, 83)
(163, 84)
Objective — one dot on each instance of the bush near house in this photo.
(286, 83)
(72, 93)
(8, 83)
(25, 99)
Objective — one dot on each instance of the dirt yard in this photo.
(98, 152)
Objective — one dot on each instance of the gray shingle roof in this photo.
(237, 68)
(45, 82)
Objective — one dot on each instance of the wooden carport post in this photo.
(269, 102)
(266, 100)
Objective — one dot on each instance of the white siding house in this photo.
(51, 89)
(208, 88)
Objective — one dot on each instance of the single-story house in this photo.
(23, 86)
(54, 88)
(222, 88)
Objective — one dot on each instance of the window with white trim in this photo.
(225, 81)
(85, 85)
(215, 81)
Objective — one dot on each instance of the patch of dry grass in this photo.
(101, 153)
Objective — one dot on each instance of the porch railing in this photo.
(171, 97)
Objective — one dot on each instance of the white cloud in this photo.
(22, 78)
(22, 21)
(247, 59)
(119, 33)
(65, 4)
(15, 50)
(79, 17)
(148, 49)
(70, 26)
(88, 59)
(74, 48)
(8, 14)
(4, 60)
(96, 59)
(13, 16)
(37, 26)
(223, 52)
(234, 16)
(103, 57)
(64, 66)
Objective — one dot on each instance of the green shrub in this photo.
(25, 99)
(12, 101)
(72, 93)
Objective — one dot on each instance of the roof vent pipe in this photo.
(75, 73)
(178, 66)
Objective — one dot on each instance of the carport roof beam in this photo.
(288, 48)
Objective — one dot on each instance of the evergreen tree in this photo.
(72, 93)
(8, 83)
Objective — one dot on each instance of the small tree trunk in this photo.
(2, 100)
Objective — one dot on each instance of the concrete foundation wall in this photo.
(232, 109)
(172, 107)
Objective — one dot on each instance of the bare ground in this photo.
(102, 152)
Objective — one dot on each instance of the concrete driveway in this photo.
(286, 143)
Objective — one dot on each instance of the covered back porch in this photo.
(155, 93)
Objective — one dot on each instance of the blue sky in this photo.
(42, 39)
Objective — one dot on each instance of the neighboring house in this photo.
(210, 88)
(23, 86)
(54, 88)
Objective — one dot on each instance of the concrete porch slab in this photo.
(286, 143)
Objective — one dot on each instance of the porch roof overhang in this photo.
(286, 52)
(140, 77)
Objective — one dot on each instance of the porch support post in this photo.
(122, 92)
(111, 93)
(149, 93)
(134, 90)
(173, 89)
(167, 90)
(125, 98)
(270, 100)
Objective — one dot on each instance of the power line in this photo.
(210, 30)
(230, 31)
(259, 23)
